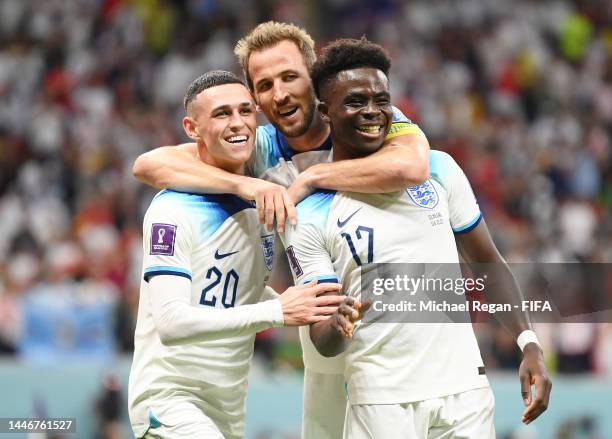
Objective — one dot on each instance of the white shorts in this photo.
(465, 415)
(324, 405)
(184, 420)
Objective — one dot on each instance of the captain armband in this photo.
(401, 128)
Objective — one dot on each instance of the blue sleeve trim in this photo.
(164, 270)
(469, 226)
(326, 279)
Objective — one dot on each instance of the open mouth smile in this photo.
(239, 139)
(288, 112)
(370, 129)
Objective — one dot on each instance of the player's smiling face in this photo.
(222, 119)
(282, 87)
(357, 105)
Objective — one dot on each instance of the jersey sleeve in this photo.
(265, 152)
(305, 243)
(167, 241)
(401, 125)
(179, 322)
(462, 205)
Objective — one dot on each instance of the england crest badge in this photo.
(424, 195)
(267, 246)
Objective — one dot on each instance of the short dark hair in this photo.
(347, 54)
(208, 80)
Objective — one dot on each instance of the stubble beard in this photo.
(301, 128)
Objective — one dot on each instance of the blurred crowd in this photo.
(519, 93)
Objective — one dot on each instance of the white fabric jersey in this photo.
(324, 397)
(218, 243)
(274, 160)
(393, 363)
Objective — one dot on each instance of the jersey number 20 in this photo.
(228, 299)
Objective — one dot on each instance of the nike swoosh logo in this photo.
(224, 255)
(343, 223)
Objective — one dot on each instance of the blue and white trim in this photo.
(325, 279)
(469, 226)
(158, 270)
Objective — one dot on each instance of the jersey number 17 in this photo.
(360, 233)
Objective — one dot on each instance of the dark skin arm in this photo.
(331, 336)
(476, 246)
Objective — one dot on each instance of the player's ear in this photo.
(324, 110)
(190, 125)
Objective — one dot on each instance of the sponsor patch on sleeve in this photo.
(401, 128)
(162, 239)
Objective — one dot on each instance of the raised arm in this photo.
(180, 168)
(403, 161)
(476, 246)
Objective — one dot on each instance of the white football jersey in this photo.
(218, 243)
(274, 160)
(337, 233)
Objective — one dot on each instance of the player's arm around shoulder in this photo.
(180, 168)
(412, 146)
(158, 166)
(406, 151)
(403, 161)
